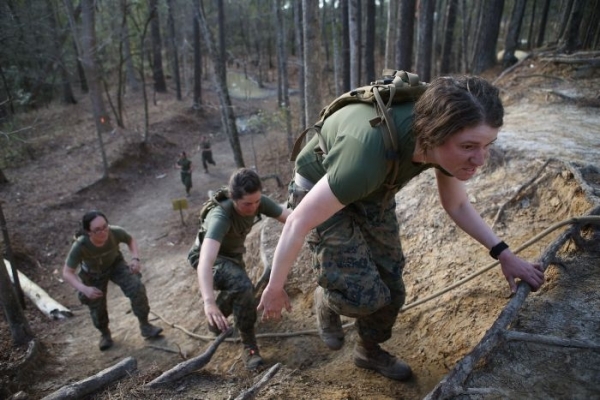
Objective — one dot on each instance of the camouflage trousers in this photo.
(130, 284)
(358, 259)
(236, 296)
(186, 179)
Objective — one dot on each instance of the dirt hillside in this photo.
(548, 139)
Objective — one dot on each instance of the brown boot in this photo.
(106, 341)
(150, 331)
(251, 357)
(370, 355)
(329, 323)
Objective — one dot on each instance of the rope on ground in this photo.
(583, 220)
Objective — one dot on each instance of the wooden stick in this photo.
(550, 340)
(191, 365)
(89, 385)
(251, 393)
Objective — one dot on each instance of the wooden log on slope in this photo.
(40, 297)
(89, 385)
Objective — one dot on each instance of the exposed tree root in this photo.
(191, 365)
(251, 392)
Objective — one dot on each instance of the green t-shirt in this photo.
(230, 228)
(185, 165)
(355, 164)
(97, 259)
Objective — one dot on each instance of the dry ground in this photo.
(58, 181)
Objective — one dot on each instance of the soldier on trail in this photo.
(185, 165)
(207, 156)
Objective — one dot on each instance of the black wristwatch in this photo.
(497, 249)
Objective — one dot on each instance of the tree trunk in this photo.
(299, 45)
(227, 115)
(3, 178)
(338, 68)
(173, 49)
(312, 61)
(354, 31)
(282, 66)
(221, 25)
(564, 18)
(132, 80)
(448, 34)
(425, 39)
(512, 35)
(19, 327)
(543, 23)
(569, 42)
(87, 50)
(390, 37)
(197, 102)
(485, 42)
(406, 23)
(67, 92)
(345, 17)
(160, 85)
(369, 53)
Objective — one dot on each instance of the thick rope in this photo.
(592, 219)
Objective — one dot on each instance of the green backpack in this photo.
(394, 87)
(216, 199)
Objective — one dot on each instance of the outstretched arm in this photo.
(453, 197)
(208, 254)
(318, 205)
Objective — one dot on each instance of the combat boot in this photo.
(370, 355)
(149, 331)
(251, 357)
(106, 341)
(328, 322)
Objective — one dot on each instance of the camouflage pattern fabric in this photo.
(236, 296)
(358, 258)
(130, 284)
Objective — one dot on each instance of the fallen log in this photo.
(191, 365)
(89, 385)
(42, 300)
(251, 392)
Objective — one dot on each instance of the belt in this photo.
(304, 183)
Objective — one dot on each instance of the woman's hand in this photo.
(92, 292)
(214, 316)
(515, 267)
(272, 302)
(135, 266)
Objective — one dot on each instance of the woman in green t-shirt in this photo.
(356, 245)
(95, 252)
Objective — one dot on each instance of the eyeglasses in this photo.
(99, 230)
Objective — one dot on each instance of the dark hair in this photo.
(451, 104)
(89, 217)
(183, 154)
(242, 182)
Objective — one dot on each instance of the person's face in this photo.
(247, 206)
(98, 230)
(465, 151)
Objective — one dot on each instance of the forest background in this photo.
(108, 52)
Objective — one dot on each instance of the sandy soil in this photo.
(48, 195)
